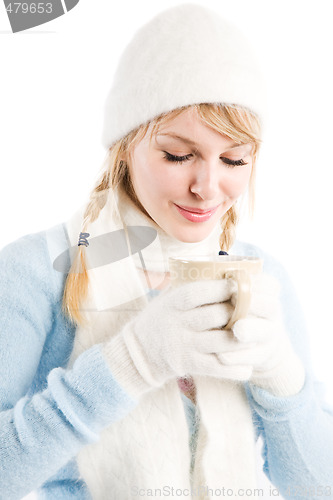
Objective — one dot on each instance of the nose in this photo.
(205, 181)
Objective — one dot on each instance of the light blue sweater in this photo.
(48, 413)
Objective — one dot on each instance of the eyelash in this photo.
(181, 159)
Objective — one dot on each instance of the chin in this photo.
(191, 235)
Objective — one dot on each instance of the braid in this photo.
(76, 287)
(228, 225)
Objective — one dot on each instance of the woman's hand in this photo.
(260, 341)
(178, 333)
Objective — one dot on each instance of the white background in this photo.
(54, 80)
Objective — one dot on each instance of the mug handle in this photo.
(243, 296)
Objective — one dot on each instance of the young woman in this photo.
(115, 385)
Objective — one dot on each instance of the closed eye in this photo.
(176, 159)
(233, 163)
(181, 159)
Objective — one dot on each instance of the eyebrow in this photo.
(192, 143)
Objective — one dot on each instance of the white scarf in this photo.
(149, 448)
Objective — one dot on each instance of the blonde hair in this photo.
(236, 122)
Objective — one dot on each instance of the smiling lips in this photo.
(196, 214)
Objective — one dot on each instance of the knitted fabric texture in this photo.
(185, 55)
(139, 462)
(35, 388)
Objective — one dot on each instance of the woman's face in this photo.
(189, 176)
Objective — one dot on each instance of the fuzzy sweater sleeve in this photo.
(297, 431)
(40, 433)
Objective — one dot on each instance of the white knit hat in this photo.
(185, 55)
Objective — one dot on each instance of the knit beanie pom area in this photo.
(185, 55)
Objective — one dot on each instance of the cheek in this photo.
(166, 181)
(154, 182)
(235, 182)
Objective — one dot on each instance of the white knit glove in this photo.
(260, 340)
(176, 334)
